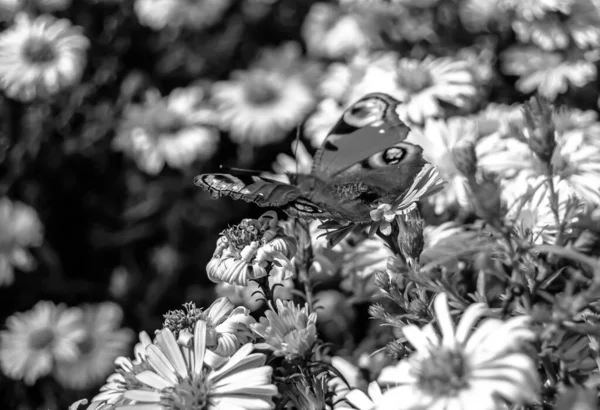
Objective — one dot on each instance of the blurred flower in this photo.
(8, 9)
(175, 130)
(336, 317)
(285, 165)
(318, 125)
(288, 329)
(250, 295)
(183, 374)
(102, 344)
(330, 33)
(120, 282)
(550, 73)
(263, 104)
(453, 370)
(187, 14)
(40, 57)
(165, 259)
(580, 25)
(361, 401)
(228, 327)
(248, 250)
(481, 15)
(529, 207)
(426, 183)
(49, 6)
(352, 378)
(36, 339)
(20, 227)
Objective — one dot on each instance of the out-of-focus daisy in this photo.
(581, 26)
(263, 104)
(481, 15)
(20, 227)
(183, 374)
(245, 251)
(104, 341)
(192, 15)
(420, 85)
(330, 33)
(175, 130)
(34, 340)
(550, 73)
(8, 9)
(288, 329)
(351, 374)
(530, 211)
(318, 125)
(285, 165)
(464, 368)
(49, 6)
(357, 399)
(40, 57)
(536, 9)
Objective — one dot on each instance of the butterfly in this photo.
(364, 161)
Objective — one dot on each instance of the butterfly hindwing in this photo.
(366, 128)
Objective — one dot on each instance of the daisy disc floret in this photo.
(182, 374)
(465, 368)
(250, 250)
(288, 329)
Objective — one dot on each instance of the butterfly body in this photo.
(364, 161)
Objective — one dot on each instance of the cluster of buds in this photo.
(251, 250)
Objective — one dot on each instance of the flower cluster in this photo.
(403, 206)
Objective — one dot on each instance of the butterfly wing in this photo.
(261, 191)
(366, 128)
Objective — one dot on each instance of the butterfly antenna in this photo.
(240, 170)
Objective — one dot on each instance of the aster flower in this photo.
(176, 130)
(182, 373)
(36, 339)
(289, 330)
(250, 295)
(286, 165)
(248, 251)
(227, 325)
(550, 73)
(263, 104)
(330, 33)
(477, 370)
(192, 15)
(40, 57)
(427, 182)
(20, 228)
(318, 125)
(104, 341)
(357, 399)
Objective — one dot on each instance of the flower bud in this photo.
(539, 128)
(464, 157)
(410, 238)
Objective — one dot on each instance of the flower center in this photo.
(189, 394)
(261, 92)
(39, 51)
(444, 373)
(167, 122)
(41, 339)
(244, 234)
(414, 79)
(86, 345)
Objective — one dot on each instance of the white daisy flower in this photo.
(40, 57)
(359, 400)
(20, 228)
(188, 14)
(104, 341)
(176, 131)
(464, 368)
(285, 165)
(181, 373)
(263, 104)
(550, 73)
(330, 33)
(250, 296)
(288, 329)
(34, 340)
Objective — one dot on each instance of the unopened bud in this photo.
(486, 198)
(377, 311)
(382, 280)
(464, 157)
(410, 238)
(539, 128)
